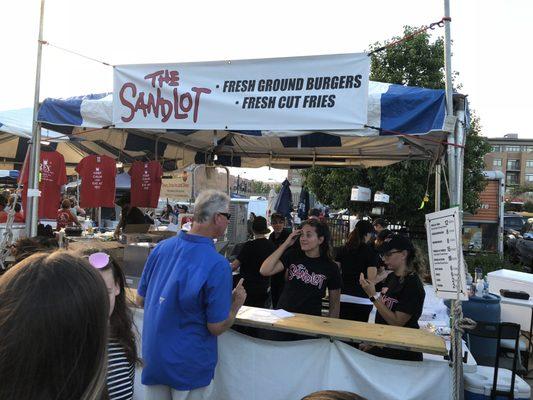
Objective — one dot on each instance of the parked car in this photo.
(522, 246)
(512, 226)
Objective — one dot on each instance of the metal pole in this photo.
(454, 167)
(33, 176)
(437, 186)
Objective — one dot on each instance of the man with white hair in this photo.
(186, 292)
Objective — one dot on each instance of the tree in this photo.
(417, 62)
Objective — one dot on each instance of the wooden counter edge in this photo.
(434, 345)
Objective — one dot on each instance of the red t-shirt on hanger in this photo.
(52, 175)
(145, 183)
(97, 175)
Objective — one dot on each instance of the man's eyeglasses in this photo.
(389, 253)
(227, 215)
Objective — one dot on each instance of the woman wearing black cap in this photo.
(357, 257)
(402, 295)
(249, 260)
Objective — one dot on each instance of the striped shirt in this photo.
(120, 373)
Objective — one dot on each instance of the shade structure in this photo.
(403, 123)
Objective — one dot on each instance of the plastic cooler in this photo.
(513, 280)
(478, 385)
(484, 308)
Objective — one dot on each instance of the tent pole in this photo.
(455, 197)
(437, 186)
(33, 176)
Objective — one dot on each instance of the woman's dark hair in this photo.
(65, 204)
(322, 230)
(333, 395)
(53, 329)
(25, 247)
(356, 237)
(121, 320)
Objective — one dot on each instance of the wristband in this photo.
(372, 299)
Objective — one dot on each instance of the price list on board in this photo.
(445, 254)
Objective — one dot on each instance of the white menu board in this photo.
(446, 254)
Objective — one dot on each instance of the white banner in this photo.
(299, 93)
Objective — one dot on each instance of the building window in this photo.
(512, 179)
(513, 164)
(529, 177)
(529, 164)
(497, 162)
(529, 148)
(514, 149)
(496, 149)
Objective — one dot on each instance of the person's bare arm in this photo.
(395, 318)
(371, 273)
(272, 265)
(235, 264)
(139, 300)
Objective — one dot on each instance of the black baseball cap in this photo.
(395, 242)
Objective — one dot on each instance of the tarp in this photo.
(255, 369)
(415, 113)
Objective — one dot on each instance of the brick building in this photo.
(512, 156)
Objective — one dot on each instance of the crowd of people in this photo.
(75, 304)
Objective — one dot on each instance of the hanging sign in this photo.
(176, 186)
(446, 254)
(297, 93)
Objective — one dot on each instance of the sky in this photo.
(490, 42)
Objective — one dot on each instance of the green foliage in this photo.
(476, 147)
(519, 190)
(489, 262)
(417, 62)
(262, 188)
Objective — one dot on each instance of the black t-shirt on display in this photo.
(251, 256)
(353, 262)
(405, 295)
(307, 280)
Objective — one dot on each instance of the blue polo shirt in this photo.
(186, 284)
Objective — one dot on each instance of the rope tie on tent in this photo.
(44, 42)
(431, 26)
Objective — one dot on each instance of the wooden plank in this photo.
(374, 334)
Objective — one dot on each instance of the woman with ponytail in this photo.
(402, 295)
(357, 257)
(308, 271)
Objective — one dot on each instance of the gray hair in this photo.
(208, 203)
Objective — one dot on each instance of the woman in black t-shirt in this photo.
(402, 295)
(308, 272)
(355, 258)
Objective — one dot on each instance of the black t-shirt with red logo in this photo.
(307, 280)
(404, 295)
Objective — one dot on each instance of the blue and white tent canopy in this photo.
(403, 123)
(15, 135)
